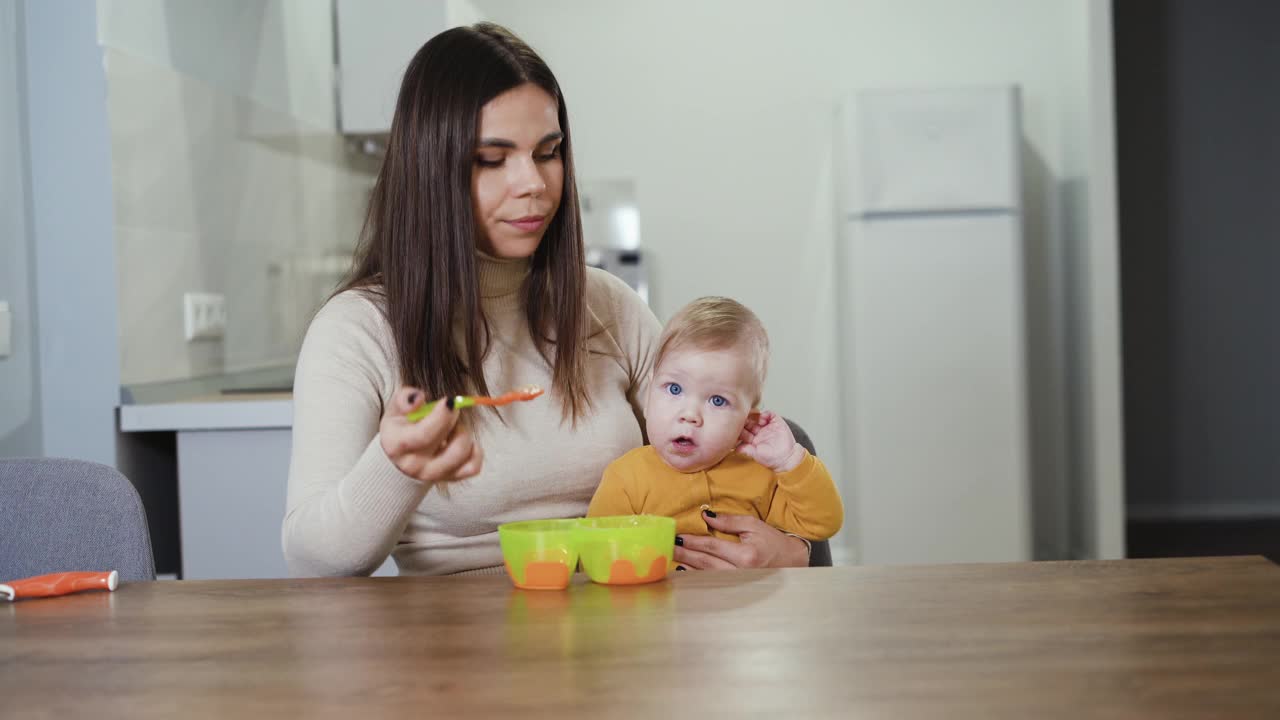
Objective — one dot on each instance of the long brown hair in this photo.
(418, 246)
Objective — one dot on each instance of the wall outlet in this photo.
(204, 316)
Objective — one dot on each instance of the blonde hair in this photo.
(717, 323)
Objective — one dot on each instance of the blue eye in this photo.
(674, 388)
(719, 401)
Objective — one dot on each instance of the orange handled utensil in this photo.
(54, 584)
(523, 394)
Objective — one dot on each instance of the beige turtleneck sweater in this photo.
(349, 506)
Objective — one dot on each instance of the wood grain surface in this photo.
(1123, 639)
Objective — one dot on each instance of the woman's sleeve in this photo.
(347, 503)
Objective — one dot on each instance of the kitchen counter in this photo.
(210, 456)
(249, 400)
(221, 460)
(210, 412)
(214, 451)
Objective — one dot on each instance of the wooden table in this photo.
(1140, 639)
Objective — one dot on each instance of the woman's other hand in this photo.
(759, 545)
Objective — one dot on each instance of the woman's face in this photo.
(518, 174)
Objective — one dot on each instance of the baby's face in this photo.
(698, 404)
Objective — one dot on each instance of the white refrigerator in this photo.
(932, 339)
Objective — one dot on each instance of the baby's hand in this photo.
(767, 439)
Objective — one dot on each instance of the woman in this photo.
(470, 278)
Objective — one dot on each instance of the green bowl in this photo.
(625, 549)
(539, 554)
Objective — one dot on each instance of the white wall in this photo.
(228, 176)
(724, 114)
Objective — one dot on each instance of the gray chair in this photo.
(64, 515)
(820, 556)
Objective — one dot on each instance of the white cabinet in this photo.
(232, 470)
(231, 500)
(932, 151)
(935, 406)
(936, 400)
(376, 39)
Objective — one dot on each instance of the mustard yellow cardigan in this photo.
(803, 501)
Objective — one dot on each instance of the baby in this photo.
(700, 409)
